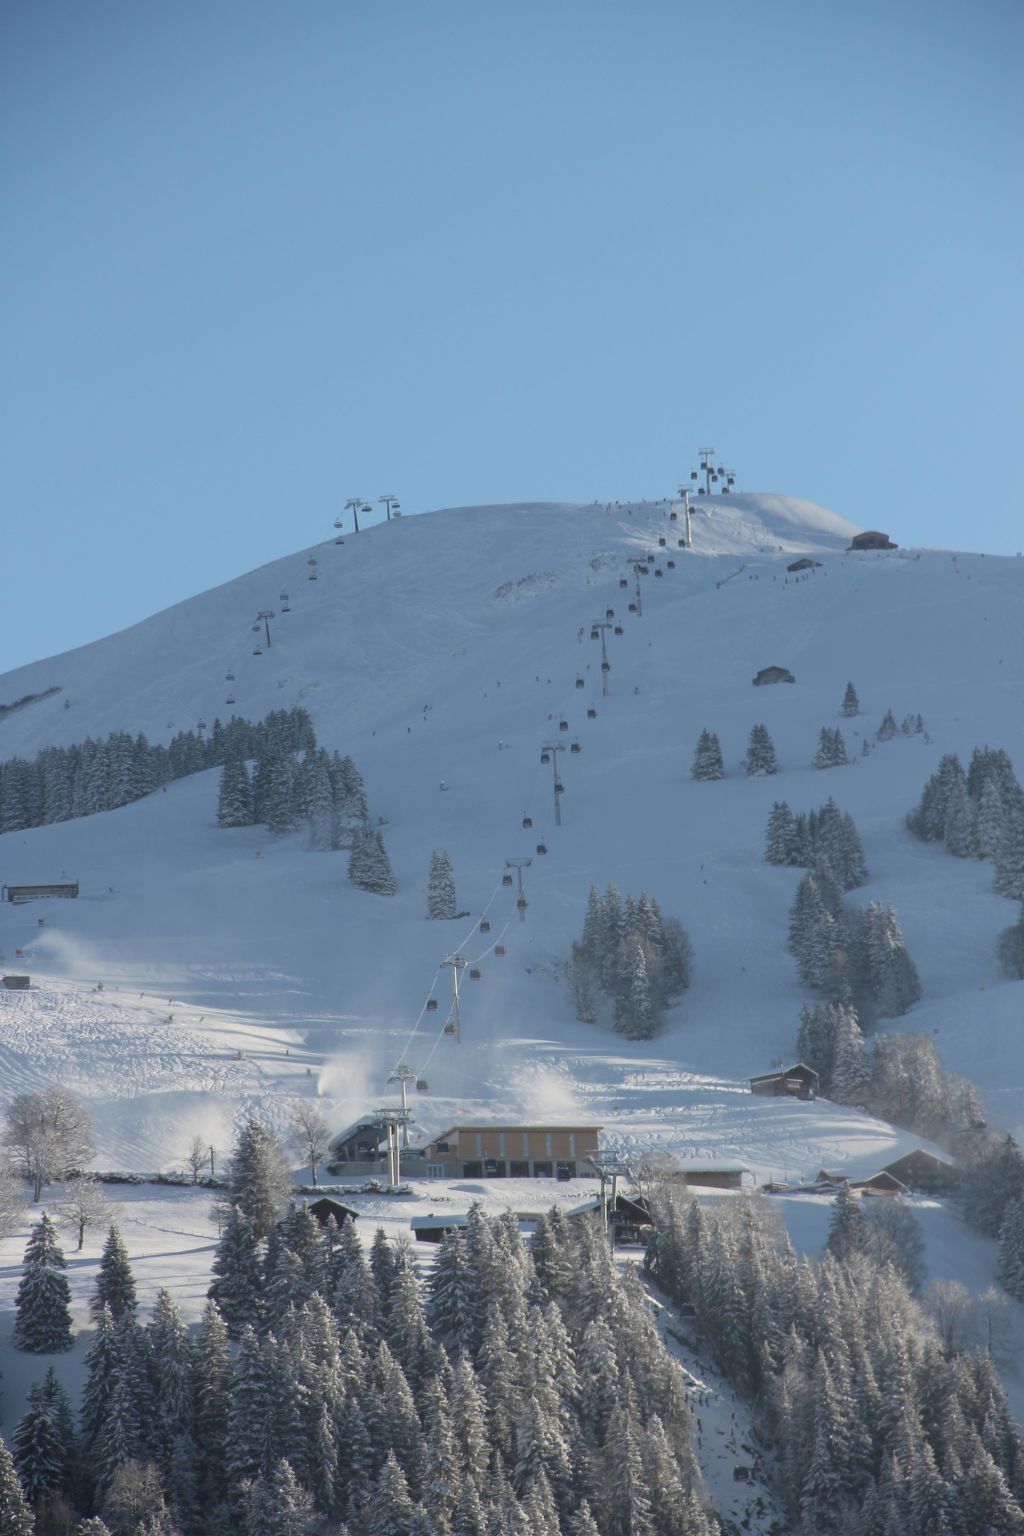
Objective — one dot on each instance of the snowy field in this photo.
(240, 971)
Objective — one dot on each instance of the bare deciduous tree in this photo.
(12, 1197)
(311, 1135)
(198, 1155)
(49, 1135)
(84, 1205)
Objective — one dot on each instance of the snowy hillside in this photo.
(421, 646)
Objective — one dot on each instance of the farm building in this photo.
(703, 1173)
(773, 675)
(924, 1171)
(881, 1183)
(805, 563)
(506, 1151)
(17, 894)
(796, 1082)
(17, 983)
(871, 539)
(326, 1209)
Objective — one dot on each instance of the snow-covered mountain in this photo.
(420, 647)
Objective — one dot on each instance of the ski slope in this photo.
(242, 971)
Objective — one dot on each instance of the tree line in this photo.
(63, 783)
(521, 1391)
(631, 957)
(880, 1424)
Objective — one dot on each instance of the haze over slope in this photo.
(420, 646)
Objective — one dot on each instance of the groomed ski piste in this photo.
(242, 972)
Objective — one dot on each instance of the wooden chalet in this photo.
(706, 1173)
(805, 563)
(773, 675)
(17, 983)
(796, 1082)
(881, 1183)
(328, 1209)
(924, 1172)
(871, 539)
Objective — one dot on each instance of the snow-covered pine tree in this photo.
(582, 978)
(960, 825)
(260, 1177)
(635, 1014)
(893, 983)
(43, 1302)
(41, 1454)
(847, 1226)
(888, 728)
(279, 810)
(707, 759)
(851, 703)
(831, 751)
(441, 903)
(778, 844)
(1009, 875)
(15, 1515)
(1010, 948)
(115, 1283)
(991, 819)
(369, 868)
(1011, 1249)
(321, 813)
(760, 760)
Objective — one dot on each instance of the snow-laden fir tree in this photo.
(888, 728)
(1010, 948)
(15, 1515)
(321, 813)
(441, 902)
(43, 1303)
(959, 830)
(369, 867)
(115, 1283)
(707, 759)
(851, 703)
(43, 1443)
(885, 977)
(260, 1177)
(634, 1008)
(847, 1226)
(1009, 876)
(831, 751)
(235, 800)
(760, 760)
(778, 843)
(1011, 1249)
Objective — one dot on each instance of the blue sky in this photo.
(258, 258)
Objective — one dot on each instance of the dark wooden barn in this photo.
(325, 1209)
(924, 1171)
(805, 563)
(871, 539)
(796, 1082)
(17, 983)
(773, 675)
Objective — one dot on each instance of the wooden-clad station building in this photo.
(506, 1151)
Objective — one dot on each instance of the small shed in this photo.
(924, 1171)
(325, 1209)
(17, 983)
(773, 675)
(871, 539)
(796, 1082)
(805, 563)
